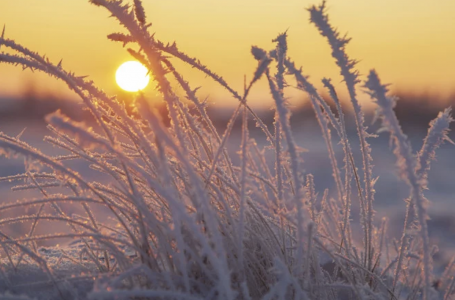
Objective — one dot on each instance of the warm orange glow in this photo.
(409, 42)
(132, 76)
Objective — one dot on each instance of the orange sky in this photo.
(410, 42)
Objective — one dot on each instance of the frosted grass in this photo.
(185, 221)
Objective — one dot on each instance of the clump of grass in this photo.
(188, 222)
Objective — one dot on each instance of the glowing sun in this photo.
(132, 76)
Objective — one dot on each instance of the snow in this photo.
(75, 274)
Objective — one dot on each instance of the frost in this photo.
(175, 215)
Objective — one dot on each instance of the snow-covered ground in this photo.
(68, 261)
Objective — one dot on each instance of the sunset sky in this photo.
(411, 43)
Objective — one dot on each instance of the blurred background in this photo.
(410, 43)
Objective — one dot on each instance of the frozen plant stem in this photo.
(319, 17)
(406, 163)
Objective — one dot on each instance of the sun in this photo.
(132, 76)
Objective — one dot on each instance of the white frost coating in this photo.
(178, 216)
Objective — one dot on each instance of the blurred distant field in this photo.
(414, 111)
